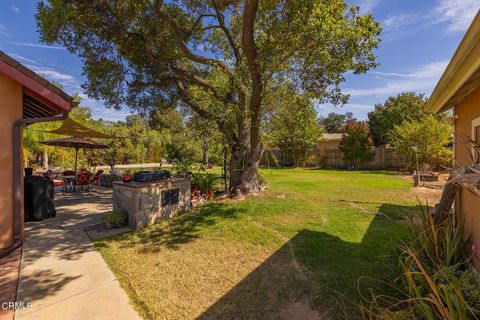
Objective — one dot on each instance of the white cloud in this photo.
(393, 87)
(34, 45)
(15, 9)
(3, 30)
(421, 78)
(396, 21)
(52, 74)
(100, 111)
(366, 6)
(22, 58)
(457, 13)
(429, 70)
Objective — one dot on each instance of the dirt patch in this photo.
(298, 310)
(429, 195)
(430, 192)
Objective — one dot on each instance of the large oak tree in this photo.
(214, 56)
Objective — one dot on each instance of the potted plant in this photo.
(115, 219)
(127, 177)
(205, 182)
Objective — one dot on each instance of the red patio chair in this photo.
(83, 180)
(96, 178)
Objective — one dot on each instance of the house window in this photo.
(476, 130)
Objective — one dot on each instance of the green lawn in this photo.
(308, 240)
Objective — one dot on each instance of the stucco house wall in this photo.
(468, 207)
(11, 108)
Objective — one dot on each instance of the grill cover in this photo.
(151, 176)
(38, 198)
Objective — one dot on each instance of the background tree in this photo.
(206, 134)
(357, 145)
(120, 151)
(397, 109)
(291, 123)
(37, 154)
(430, 135)
(335, 122)
(153, 53)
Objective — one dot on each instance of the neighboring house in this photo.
(459, 90)
(330, 141)
(25, 98)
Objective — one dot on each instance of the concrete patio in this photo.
(61, 273)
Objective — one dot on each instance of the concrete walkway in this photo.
(61, 273)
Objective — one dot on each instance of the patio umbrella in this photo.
(70, 127)
(77, 143)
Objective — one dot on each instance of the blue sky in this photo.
(420, 37)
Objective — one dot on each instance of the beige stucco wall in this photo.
(469, 205)
(11, 107)
(327, 145)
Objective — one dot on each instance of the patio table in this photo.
(69, 181)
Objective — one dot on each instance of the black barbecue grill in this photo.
(151, 176)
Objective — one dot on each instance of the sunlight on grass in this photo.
(311, 236)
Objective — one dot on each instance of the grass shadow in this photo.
(317, 269)
(177, 231)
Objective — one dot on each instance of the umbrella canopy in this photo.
(77, 143)
(70, 127)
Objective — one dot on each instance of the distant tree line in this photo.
(152, 138)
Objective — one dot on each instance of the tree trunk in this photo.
(45, 159)
(244, 171)
(206, 148)
(442, 209)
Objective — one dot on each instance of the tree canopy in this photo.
(357, 145)
(335, 122)
(430, 135)
(395, 110)
(291, 123)
(216, 57)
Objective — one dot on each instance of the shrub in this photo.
(116, 218)
(183, 168)
(470, 284)
(205, 181)
(311, 161)
(430, 135)
(435, 282)
(356, 144)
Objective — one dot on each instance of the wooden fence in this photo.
(385, 158)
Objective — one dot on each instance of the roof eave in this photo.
(43, 89)
(463, 65)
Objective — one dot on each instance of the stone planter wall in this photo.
(149, 202)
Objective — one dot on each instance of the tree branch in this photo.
(177, 33)
(222, 124)
(191, 77)
(228, 34)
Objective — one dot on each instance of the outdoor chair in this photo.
(68, 182)
(56, 183)
(83, 180)
(96, 178)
